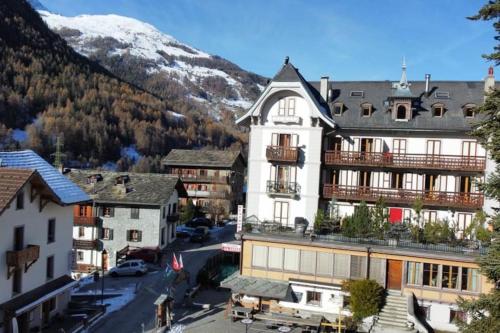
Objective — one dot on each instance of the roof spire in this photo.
(404, 81)
(287, 59)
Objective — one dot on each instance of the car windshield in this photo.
(124, 265)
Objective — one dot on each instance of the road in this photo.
(139, 315)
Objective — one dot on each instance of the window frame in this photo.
(20, 200)
(49, 268)
(132, 238)
(366, 107)
(313, 298)
(51, 231)
(435, 107)
(338, 107)
(135, 213)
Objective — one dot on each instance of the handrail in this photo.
(438, 198)
(282, 187)
(388, 159)
(282, 153)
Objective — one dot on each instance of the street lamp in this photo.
(104, 257)
(246, 321)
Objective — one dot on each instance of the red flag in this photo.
(175, 264)
(180, 261)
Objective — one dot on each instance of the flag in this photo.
(180, 261)
(175, 264)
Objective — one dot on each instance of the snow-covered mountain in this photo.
(139, 53)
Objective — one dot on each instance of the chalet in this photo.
(36, 204)
(211, 178)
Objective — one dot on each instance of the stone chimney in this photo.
(323, 88)
(489, 81)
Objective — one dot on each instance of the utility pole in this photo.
(58, 155)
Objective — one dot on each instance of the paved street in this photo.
(141, 310)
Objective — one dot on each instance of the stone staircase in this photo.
(394, 314)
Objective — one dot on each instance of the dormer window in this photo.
(469, 110)
(438, 110)
(94, 178)
(366, 110)
(122, 180)
(357, 93)
(287, 106)
(338, 108)
(401, 113)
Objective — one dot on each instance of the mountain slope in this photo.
(139, 53)
(53, 91)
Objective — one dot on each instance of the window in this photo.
(430, 275)
(366, 110)
(438, 110)
(442, 94)
(357, 93)
(413, 273)
(341, 265)
(134, 213)
(358, 267)
(313, 298)
(259, 256)
(325, 264)
(50, 268)
(107, 233)
(81, 231)
(286, 106)
(163, 236)
(281, 212)
(401, 112)
(449, 277)
(108, 211)
(275, 259)
(79, 255)
(174, 208)
(397, 180)
(291, 262)
(470, 279)
(51, 231)
(469, 112)
(337, 109)
(134, 235)
(81, 210)
(20, 200)
(163, 212)
(430, 216)
(308, 262)
(457, 315)
(378, 270)
(425, 311)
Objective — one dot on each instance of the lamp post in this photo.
(104, 256)
(246, 321)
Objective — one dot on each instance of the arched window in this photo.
(401, 113)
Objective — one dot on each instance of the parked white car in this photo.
(129, 267)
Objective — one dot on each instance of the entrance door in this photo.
(394, 274)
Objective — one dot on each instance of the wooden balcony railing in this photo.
(188, 178)
(277, 187)
(173, 218)
(402, 196)
(85, 221)
(413, 161)
(282, 154)
(85, 268)
(24, 257)
(83, 244)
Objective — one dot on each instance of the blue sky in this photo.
(345, 39)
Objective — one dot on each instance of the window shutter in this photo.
(128, 236)
(293, 174)
(273, 173)
(275, 260)
(341, 265)
(112, 212)
(259, 256)
(358, 267)
(356, 144)
(378, 146)
(291, 262)
(295, 140)
(308, 262)
(274, 139)
(325, 264)
(377, 270)
(139, 236)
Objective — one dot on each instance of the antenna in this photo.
(58, 155)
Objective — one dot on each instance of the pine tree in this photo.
(484, 313)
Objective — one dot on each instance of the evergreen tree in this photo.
(484, 312)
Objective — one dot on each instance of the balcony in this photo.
(173, 218)
(287, 119)
(282, 154)
(402, 196)
(188, 178)
(408, 161)
(83, 244)
(282, 188)
(24, 257)
(85, 221)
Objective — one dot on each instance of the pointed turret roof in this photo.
(402, 89)
(288, 73)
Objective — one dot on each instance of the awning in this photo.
(232, 247)
(33, 298)
(252, 286)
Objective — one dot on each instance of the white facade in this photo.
(35, 224)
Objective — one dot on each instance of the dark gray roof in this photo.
(377, 92)
(141, 188)
(202, 158)
(256, 286)
(288, 73)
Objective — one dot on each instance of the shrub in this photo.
(359, 224)
(438, 232)
(319, 221)
(366, 297)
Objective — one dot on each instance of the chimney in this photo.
(489, 81)
(427, 84)
(323, 88)
(287, 59)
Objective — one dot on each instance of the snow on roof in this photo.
(68, 192)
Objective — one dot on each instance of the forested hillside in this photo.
(50, 90)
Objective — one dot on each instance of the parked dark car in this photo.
(200, 234)
(200, 222)
(148, 254)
